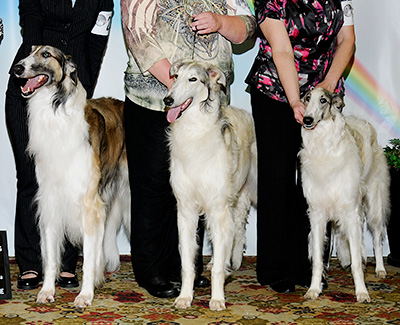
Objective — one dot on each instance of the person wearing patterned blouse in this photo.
(157, 34)
(304, 44)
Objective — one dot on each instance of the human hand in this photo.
(326, 84)
(298, 110)
(206, 23)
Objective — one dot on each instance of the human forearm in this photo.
(160, 70)
(288, 76)
(233, 28)
(344, 53)
(283, 57)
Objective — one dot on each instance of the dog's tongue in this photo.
(34, 83)
(173, 114)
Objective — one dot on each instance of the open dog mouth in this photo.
(310, 127)
(173, 113)
(32, 84)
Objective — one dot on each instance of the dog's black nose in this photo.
(308, 120)
(168, 101)
(19, 69)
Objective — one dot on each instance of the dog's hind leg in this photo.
(221, 226)
(316, 248)
(110, 247)
(354, 231)
(240, 219)
(118, 215)
(187, 227)
(377, 207)
(51, 244)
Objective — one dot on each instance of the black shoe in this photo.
(393, 261)
(201, 282)
(68, 282)
(28, 284)
(159, 288)
(283, 286)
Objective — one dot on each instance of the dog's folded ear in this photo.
(337, 102)
(33, 48)
(70, 69)
(175, 67)
(217, 76)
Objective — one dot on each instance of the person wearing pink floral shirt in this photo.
(304, 44)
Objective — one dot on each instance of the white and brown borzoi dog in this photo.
(346, 181)
(79, 150)
(213, 171)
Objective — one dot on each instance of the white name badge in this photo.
(103, 23)
(347, 7)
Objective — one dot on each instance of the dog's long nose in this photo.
(168, 101)
(19, 69)
(308, 120)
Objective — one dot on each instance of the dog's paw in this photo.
(83, 300)
(183, 302)
(209, 265)
(45, 296)
(381, 274)
(217, 304)
(363, 297)
(312, 294)
(236, 263)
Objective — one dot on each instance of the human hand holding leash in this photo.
(206, 22)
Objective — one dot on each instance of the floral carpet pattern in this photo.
(121, 301)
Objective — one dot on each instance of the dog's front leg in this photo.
(316, 248)
(187, 226)
(51, 250)
(93, 259)
(93, 267)
(222, 231)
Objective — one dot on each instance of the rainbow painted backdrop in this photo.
(372, 98)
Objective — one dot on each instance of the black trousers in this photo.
(26, 232)
(154, 230)
(282, 223)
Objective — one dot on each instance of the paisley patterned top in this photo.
(313, 26)
(158, 29)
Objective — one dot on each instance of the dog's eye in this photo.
(308, 98)
(46, 54)
(323, 100)
(193, 79)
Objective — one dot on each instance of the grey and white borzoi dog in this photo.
(346, 181)
(79, 150)
(213, 171)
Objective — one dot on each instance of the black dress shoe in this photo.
(29, 284)
(160, 288)
(201, 282)
(283, 286)
(68, 282)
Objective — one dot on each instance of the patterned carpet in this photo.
(121, 301)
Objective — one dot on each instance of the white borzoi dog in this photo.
(213, 171)
(345, 180)
(79, 150)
